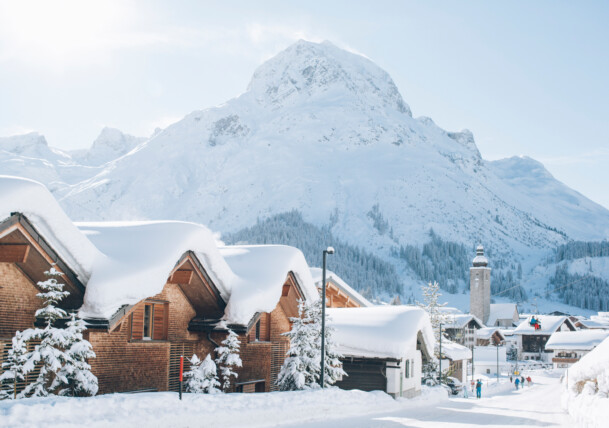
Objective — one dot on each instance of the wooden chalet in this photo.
(532, 341)
(384, 347)
(338, 293)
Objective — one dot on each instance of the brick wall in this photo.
(18, 301)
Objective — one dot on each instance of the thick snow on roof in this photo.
(488, 355)
(501, 311)
(33, 200)
(138, 258)
(454, 351)
(316, 273)
(380, 331)
(584, 340)
(460, 320)
(592, 366)
(548, 323)
(261, 271)
(595, 324)
(487, 332)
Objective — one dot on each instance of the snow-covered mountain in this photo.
(109, 145)
(326, 132)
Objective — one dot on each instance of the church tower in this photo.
(480, 286)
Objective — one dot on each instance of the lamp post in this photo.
(497, 345)
(440, 371)
(328, 250)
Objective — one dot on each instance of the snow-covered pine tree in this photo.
(15, 368)
(333, 367)
(300, 369)
(202, 377)
(431, 295)
(50, 353)
(228, 358)
(75, 377)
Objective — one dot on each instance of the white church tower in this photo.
(480, 286)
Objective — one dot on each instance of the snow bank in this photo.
(587, 394)
(316, 273)
(222, 410)
(139, 256)
(380, 331)
(33, 200)
(261, 271)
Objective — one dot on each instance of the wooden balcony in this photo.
(564, 360)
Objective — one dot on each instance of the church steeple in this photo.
(480, 286)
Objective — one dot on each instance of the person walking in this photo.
(516, 382)
(529, 380)
(479, 389)
(511, 379)
(522, 381)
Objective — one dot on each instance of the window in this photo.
(488, 371)
(258, 330)
(148, 314)
(407, 369)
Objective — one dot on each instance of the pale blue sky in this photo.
(528, 78)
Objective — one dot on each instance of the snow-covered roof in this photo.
(595, 324)
(261, 271)
(501, 311)
(33, 200)
(487, 332)
(138, 258)
(460, 320)
(454, 351)
(548, 323)
(488, 355)
(316, 273)
(380, 331)
(584, 340)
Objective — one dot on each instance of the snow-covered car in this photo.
(455, 385)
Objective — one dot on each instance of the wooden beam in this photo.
(181, 276)
(14, 253)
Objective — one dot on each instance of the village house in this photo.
(384, 347)
(462, 328)
(339, 294)
(569, 346)
(487, 336)
(503, 315)
(455, 359)
(532, 341)
(489, 359)
(149, 292)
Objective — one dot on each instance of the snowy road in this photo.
(537, 405)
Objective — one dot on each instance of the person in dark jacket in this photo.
(516, 382)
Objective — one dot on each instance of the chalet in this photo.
(339, 294)
(153, 279)
(455, 358)
(270, 279)
(29, 246)
(487, 336)
(569, 346)
(461, 328)
(503, 315)
(384, 347)
(532, 341)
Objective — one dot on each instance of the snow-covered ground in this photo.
(501, 405)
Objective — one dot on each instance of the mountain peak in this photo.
(307, 70)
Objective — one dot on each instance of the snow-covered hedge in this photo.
(587, 388)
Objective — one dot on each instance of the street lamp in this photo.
(440, 375)
(328, 250)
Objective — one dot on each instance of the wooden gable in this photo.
(21, 245)
(337, 298)
(290, 294)
(197, 286)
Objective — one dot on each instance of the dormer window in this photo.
(148, 314)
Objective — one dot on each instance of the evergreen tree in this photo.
(228, 358)
(15, 368)
(75, 376)
(301, 368)
(53, 341)
(431, 295)
(202, 377)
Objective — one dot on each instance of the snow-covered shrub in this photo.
(202, 377)
(15, 368)
(228, 358)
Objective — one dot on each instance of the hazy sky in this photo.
(528, 78)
